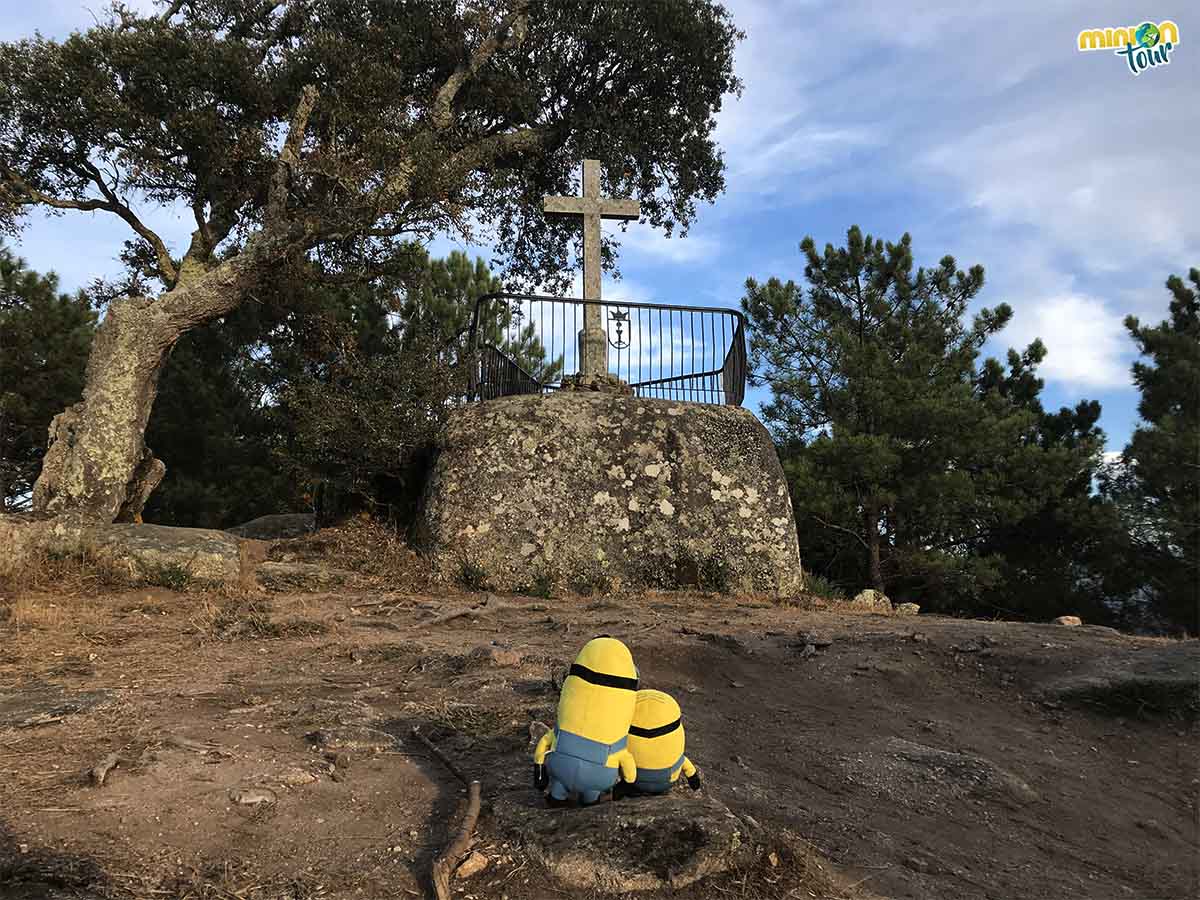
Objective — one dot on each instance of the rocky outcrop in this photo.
(276, 528)
(146, 551)
(137, 553)
(639, 844)
(1157, 680)
(594, 489)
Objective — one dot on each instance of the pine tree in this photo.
(44, 340)
(905, 457)
(440, 300)
(1159, 487)
(1053, 560)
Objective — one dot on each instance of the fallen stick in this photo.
(480, 610)
(99, 772)
(449, 858)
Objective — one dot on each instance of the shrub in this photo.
(471, 576)
(820, 586)
(365, 423)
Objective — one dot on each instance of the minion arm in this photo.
(627, 765)
(544, 746)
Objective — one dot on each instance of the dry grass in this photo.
(366, 547)
(67, 573)
(236, 615)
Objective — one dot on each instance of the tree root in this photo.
(450, 857)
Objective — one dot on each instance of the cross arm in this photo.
(585, 206)
(619, 209)
(568, 205)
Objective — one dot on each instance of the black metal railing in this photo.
(527, 344)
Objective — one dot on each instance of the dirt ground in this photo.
(913, 756)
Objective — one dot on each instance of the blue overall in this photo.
(656, 781)
(578, 765)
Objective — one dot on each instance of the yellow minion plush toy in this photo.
(586, 752)
(656, 741)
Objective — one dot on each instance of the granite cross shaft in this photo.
(593, 341)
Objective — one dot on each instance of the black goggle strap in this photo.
(603, 680)
(654, 732)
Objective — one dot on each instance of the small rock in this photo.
(907, 609)
(472, 865)
(1068, 620)
(252, 796)
(916, 864)
(502, 657)
(294, 777)
(818, 640)
(536, 730)
(773, 859)
(872, 601)
(809, 650)
(919, 637)
(354, 738)
(340, 760)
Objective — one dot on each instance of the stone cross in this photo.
(593, 341)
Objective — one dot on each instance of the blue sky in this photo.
(978, 128)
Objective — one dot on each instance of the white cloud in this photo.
(651, 242)
(1085, 342)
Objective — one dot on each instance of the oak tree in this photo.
(335, 130)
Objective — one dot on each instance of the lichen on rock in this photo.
(599, 488)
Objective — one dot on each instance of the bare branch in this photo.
(508, 34)
(853, 534)
(488, 149)
(165, 266)
(289, 155)
(111, 203)
(170, 12)
(33, 195)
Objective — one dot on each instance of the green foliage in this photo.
(44, 340)
(175, 576)
(820, 586)
(1157, 484)
(406, 120)
(912, 469)
(234, 401)
(471, 576)
(541, 586)
(216, 433)
(439, 299)
(366, 422)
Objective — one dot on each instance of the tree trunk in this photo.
(871, 525)
(97, 465)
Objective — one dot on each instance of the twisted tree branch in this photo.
(289, 154)
(508, 34)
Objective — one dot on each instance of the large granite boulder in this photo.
(596, 489)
